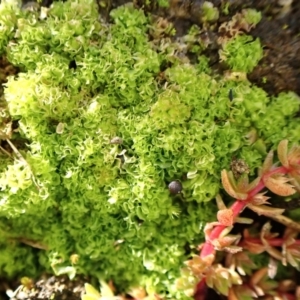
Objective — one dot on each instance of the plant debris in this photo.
(58, 288)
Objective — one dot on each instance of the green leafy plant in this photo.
(210, 13)
(233, 55)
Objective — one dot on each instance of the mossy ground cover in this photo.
(99, 207)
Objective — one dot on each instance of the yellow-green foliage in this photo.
(242, 53)
(84, 82)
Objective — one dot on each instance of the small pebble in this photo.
(60, 128)
(175, 187)
(116, 140)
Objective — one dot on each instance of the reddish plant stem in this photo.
(237, 207)
(208, 248)
(201, 291)
(260, 186)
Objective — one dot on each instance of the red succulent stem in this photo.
(208, 248)
(201, 291)
(237, 207)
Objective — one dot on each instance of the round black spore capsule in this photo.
(175, 187)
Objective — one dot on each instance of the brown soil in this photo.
(278, 31)
(281, 63)
(6, 69)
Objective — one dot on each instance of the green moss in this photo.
(164, 3)
(242, 53)
(84, 82)
(252, 16)
(14, 252)
(278, 112)
(9, 13)
(210, 13)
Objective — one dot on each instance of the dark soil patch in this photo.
(281, 63)
(6, 69)
(278, 31)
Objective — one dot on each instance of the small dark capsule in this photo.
(230, 95)
(175, 187)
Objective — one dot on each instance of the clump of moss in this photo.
(242, 53)
(84, 83)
